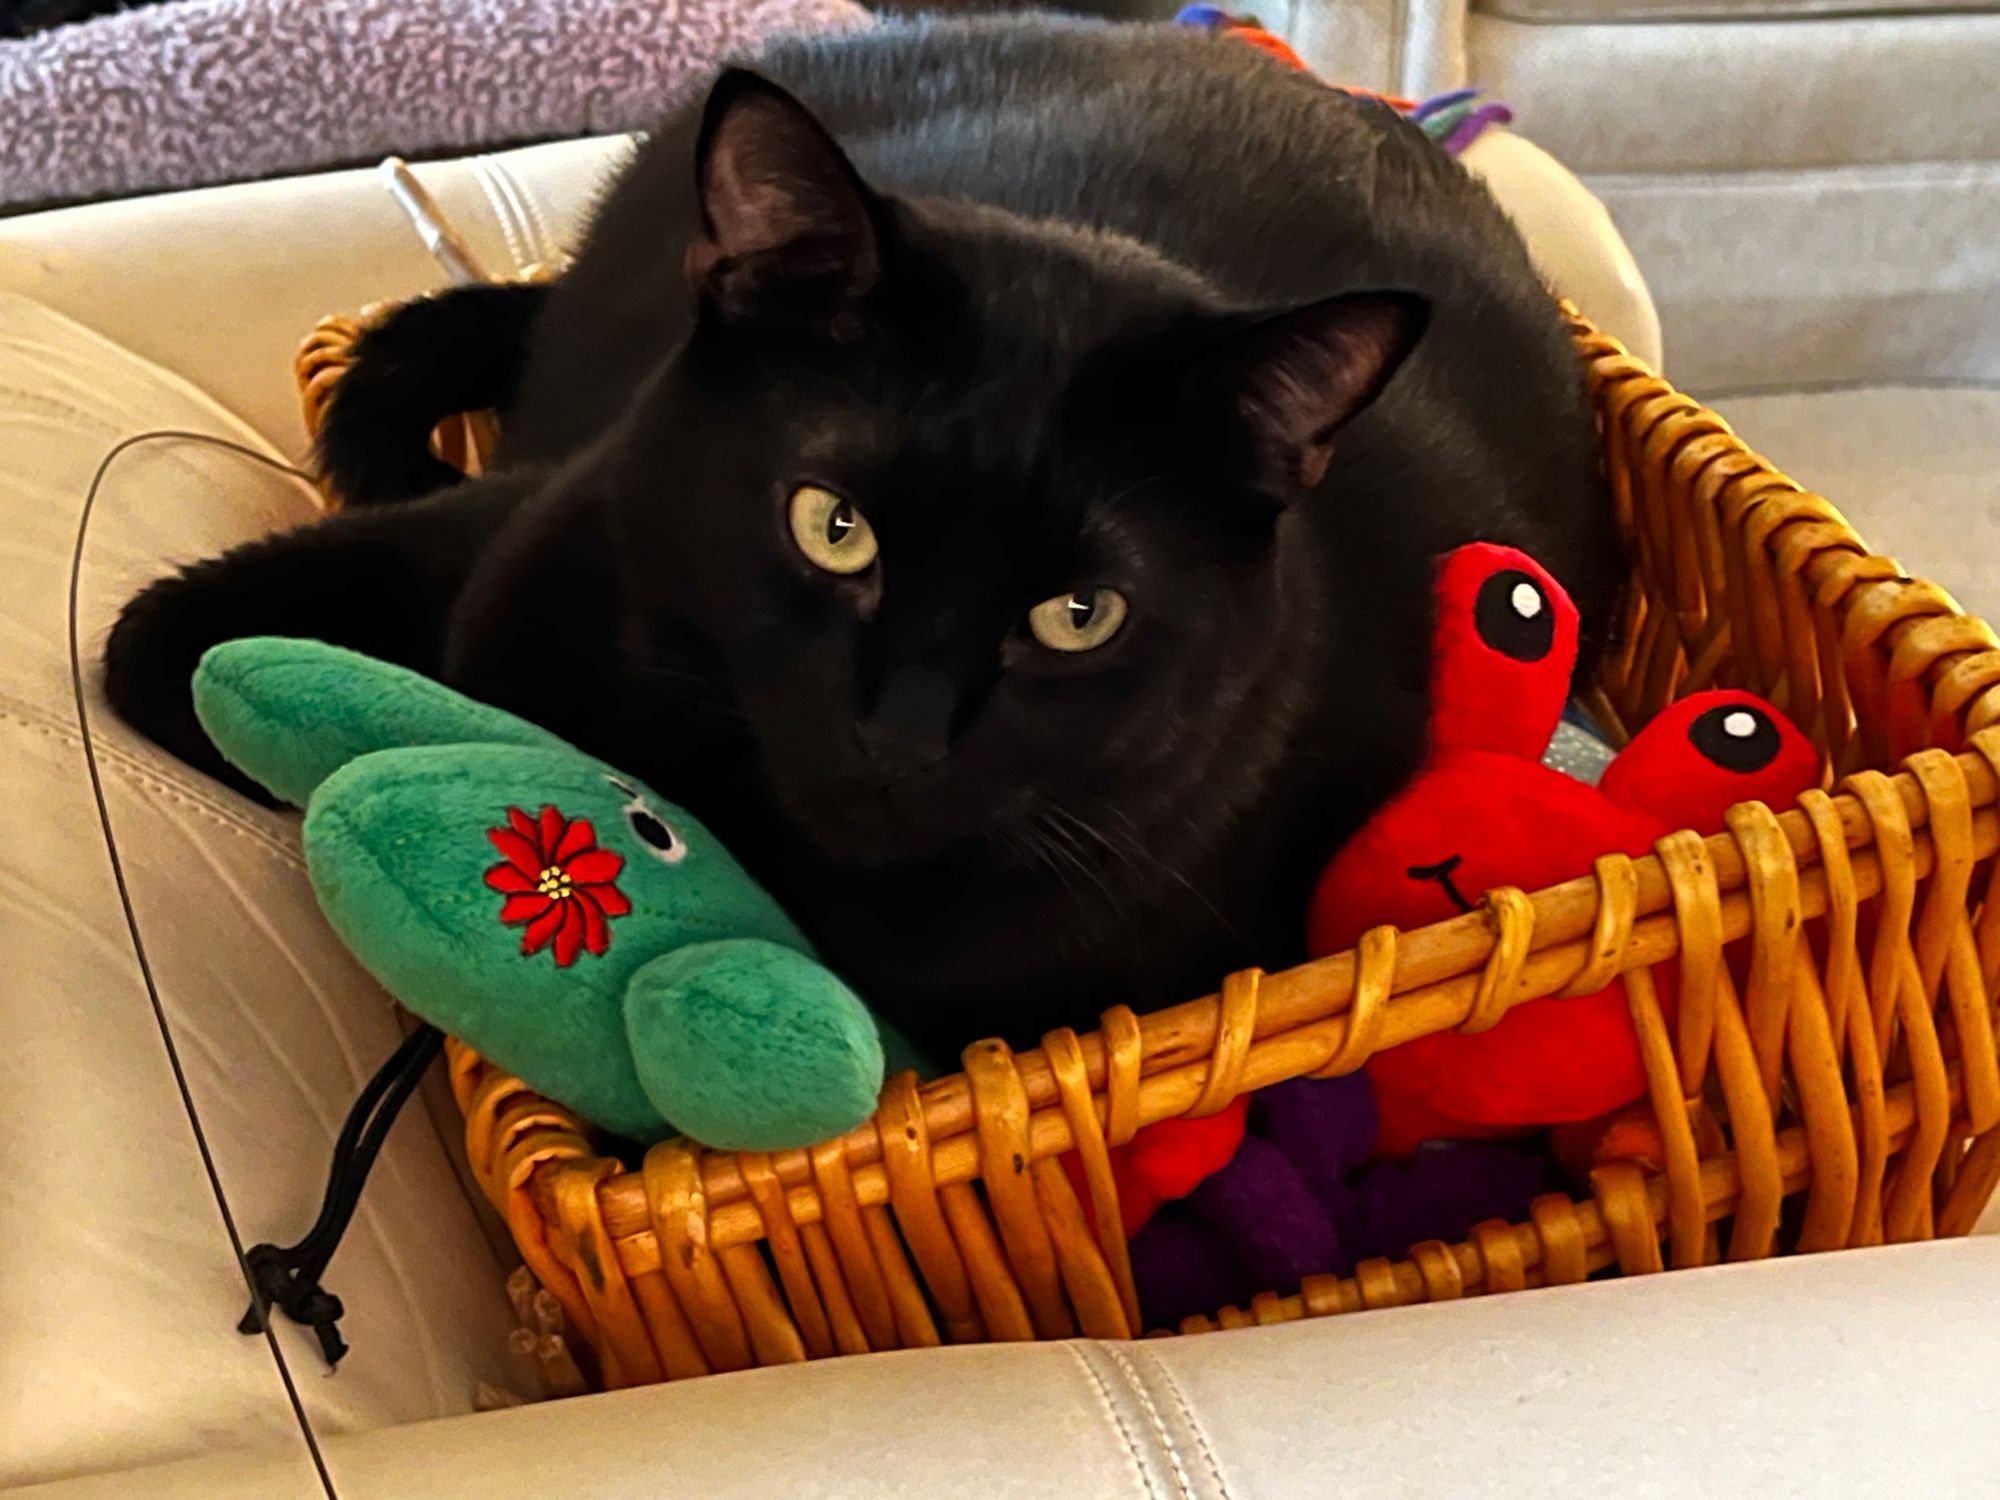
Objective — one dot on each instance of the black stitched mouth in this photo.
(1441, 873)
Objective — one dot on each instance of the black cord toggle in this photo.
(287, 1278)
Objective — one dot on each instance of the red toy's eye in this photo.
(1737, 737)
(1703, 755)
(1512, 616)
(1505, 644)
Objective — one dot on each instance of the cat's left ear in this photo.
(787, 226)
(1288, 383)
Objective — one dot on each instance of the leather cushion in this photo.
(119, 1293)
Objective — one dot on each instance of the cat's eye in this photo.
(1081, 621)
(831, 532)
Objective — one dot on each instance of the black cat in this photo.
(998, 494)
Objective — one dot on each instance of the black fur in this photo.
(375, 442)
(1091, 308)
(378, 580)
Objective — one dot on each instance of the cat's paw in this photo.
(149, 662)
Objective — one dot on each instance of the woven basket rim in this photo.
(1869, 837)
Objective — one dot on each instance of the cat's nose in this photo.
(909, 729)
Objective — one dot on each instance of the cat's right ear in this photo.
(1286, 384)
(788, 230)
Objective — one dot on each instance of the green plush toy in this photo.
(556, 915)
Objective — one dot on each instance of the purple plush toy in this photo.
(1300, 1198)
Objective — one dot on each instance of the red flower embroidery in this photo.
(558, 881)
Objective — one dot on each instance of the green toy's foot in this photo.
(749, 1046)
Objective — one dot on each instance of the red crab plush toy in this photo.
(1485, 812)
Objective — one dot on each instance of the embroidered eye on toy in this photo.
(562, 919)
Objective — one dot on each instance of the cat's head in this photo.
(984, 520)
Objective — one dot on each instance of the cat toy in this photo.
(1484, 812)
(558, 916)
(1434, 1136)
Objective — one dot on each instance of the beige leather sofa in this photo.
(1812, 190)
(120, 1372)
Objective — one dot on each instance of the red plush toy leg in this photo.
(1629, 1134)
(1407, 1122)
(1164, 1161)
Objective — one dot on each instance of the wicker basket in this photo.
(1854, 1070)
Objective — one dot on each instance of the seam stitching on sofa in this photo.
(1135, 1387)
(1138, 1386)
(98, 423)
(1117, 1420)
(540, 240)
(211, 409)
(503, 212)
(36, 718)
(111, 431)
(57, 405)
(1166, 1377)
(96, 420)
(137, 771)
(498, 178)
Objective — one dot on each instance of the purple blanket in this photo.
(205, 91)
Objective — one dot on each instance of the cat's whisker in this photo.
(1132, 847)
(1064, 851)
(1136, 486)
(1041, 852)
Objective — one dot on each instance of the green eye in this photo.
(832, 534)
(1081, 621)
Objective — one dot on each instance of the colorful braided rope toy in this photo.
(1454, 120)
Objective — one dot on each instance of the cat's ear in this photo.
(1288, 383)
(786, 224)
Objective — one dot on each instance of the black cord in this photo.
(287, 1277)
(362, 1137)
(131, 919)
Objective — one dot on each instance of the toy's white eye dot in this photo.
(1739, 725)
(1527, 600)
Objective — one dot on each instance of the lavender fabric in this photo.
(204, 91)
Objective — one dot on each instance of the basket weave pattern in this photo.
(1831, 1078)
